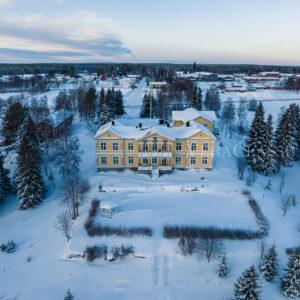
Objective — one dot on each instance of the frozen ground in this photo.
(163, 273)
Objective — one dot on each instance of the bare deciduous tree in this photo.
(282, 181)
(286, 202)
(241, 167)
(65, 224)
(209, 247)
(187, 245)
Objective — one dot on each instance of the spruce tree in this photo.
(119, 105)
(294, 113)
(149, 108)
(284, 140)
(270, 154)
(69, 296)
(200, 99)
(29, 180)
(222, 268)
(247, 286)
(255, 144)
(13, 119)
(290, 284)
(99, 106)
(105, 115)
(269, 264)
(5, 186)
(195, 101)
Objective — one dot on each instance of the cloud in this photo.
(84, 34)
(5, 2)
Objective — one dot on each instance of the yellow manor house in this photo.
(186, 143)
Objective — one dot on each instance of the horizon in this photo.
(210, 33)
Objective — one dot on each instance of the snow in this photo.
(171, 132)
(56, 118)
(192, 113)
(180, 197)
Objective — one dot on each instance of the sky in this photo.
(175, 31)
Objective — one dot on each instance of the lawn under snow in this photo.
(164, 273)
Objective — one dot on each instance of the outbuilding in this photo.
(108, 209)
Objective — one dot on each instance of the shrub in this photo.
(121, 252)
(93, 252)
(261, 220)
(176, 231)
(9, 247)
(106, 230)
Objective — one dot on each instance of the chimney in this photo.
(168, 125)
(140, 125)
(187, 124)
(113, 122)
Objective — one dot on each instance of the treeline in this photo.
(96, 109)
(35, 84)
(156, 71)
(179, 95)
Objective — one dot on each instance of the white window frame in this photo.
(103, 160)
(205, 146)
(130, 146)
(115, 160)
(204, 160)
(145, 161)
(130, 160)
(178, 146)
(115, 146)
(178, 160)
(194, 146)
(103, 146)
(193, 160)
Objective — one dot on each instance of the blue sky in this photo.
(205, 31)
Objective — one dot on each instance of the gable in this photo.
(201, 135)
(108, 135)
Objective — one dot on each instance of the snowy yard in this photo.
(178, 198)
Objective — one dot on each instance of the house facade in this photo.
(205, 118)
(54, 125)
(160, 148)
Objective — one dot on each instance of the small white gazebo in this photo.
(108, 209)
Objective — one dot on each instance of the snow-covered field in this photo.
(163, 273)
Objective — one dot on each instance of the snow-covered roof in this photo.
(191, 113)
(56, 118)
(108, 205)
(171, 132)
(193, 74)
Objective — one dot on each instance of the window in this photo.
(194, 147)
(116, 160)
(130, 160)
(130, 146)
(164, 161)
(103, 146)
(204, 160)
(205, 125)
(178, 146)
(145, 146)
(115, 146)
(145, 161)
(178, 160)
(154, 161)
(193, 160)
(164, 146)
(103, 160)
(154, 145)
(205, 147)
